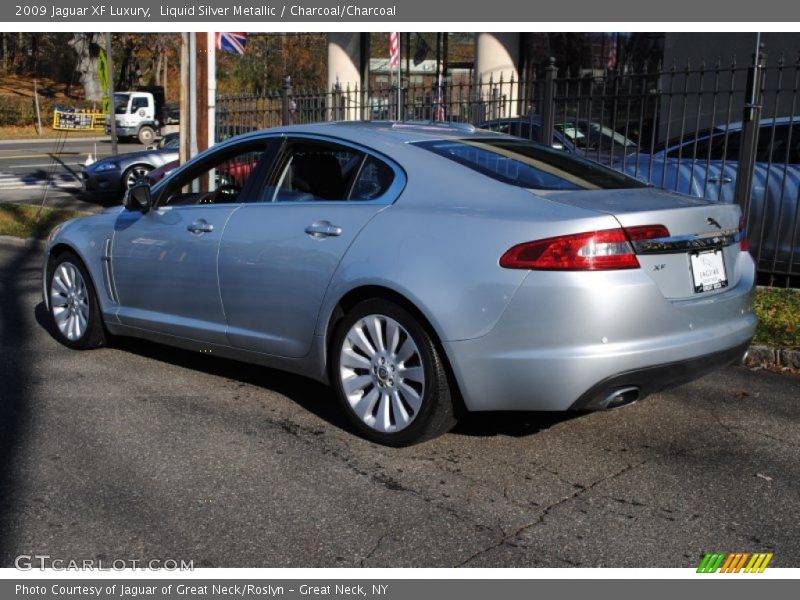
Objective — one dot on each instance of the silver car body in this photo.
(260, 289)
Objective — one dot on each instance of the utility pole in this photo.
(201, 99)
(111, 103)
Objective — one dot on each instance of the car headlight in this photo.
(106, 166)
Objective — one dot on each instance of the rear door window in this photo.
(316, 171)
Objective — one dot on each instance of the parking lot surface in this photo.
(140, 451)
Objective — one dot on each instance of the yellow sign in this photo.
(70, 119)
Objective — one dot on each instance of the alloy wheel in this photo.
(382, 373)
(69, 299)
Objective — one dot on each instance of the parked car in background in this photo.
(577, 136)
(422, 270)
(116, 174)
(156, 175)
(706, 165)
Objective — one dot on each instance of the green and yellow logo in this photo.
(735, 562)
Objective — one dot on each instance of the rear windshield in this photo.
(529, 165)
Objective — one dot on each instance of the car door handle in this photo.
(200, 226)
(320, 229)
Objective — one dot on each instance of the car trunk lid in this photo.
(699, 255)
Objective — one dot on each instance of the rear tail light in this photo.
(607, 249)
(744, 244)
(646, 232)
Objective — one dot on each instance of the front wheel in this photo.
(73, 304)
(389, 375)
(134, 175)
(146, 135)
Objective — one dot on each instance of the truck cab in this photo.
(138, 114)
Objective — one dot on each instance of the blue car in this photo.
(705, 165)
(576, 136)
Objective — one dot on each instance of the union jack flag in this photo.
(231, 41)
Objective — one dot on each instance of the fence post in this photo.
(337, 102)
(750, 121)
(548, 102)
(286, 99)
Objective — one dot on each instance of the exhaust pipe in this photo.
(621, 397)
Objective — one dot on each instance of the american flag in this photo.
(394, 50)
(231, 41)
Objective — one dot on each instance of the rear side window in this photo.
(528, 165)
(716, 147)
(373, 180)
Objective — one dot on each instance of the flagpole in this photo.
(399, 75)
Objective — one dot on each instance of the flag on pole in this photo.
(231, 41)
(394, 50)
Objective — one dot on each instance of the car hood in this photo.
(160, 156)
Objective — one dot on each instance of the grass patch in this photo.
(27, 221)
(28, 132)
(778, 312)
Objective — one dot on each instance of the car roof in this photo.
(736, 125)
(380, 132)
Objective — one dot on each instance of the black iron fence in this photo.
(725, 131)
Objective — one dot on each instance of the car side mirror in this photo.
(557, 146)
(138, 198)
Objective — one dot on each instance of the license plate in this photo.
(708, 271)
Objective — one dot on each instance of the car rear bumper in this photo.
(569, 340)
(624, 388)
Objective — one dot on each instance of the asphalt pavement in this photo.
(51, 169)
(140, 451)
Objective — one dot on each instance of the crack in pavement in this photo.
(371, 552)
(735, 430)
(580, 490)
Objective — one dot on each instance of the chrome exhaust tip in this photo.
(621, 397)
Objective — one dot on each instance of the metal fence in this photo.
(725, 131)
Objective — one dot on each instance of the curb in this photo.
(776, 359)
(45, 140)
(10, 240)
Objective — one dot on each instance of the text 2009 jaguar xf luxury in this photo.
(422, 271)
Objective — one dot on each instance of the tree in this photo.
(269, 58)
(87, 47)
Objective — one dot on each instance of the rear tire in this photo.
(74, 310)
(389, 376)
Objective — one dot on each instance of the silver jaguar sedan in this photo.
(423, 270)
